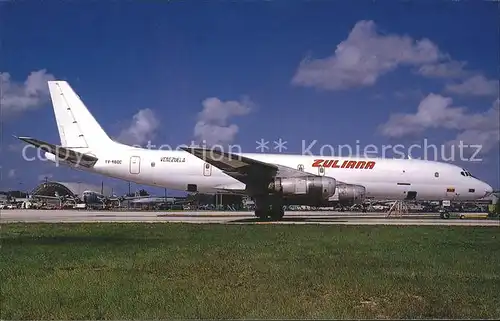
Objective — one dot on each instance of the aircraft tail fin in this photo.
(77, 127)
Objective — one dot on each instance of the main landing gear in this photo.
(269, 208)
(444, 214)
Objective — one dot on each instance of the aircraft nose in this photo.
(488, 190)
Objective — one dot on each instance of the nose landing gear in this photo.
(444, 214)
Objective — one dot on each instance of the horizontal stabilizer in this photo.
(63, 154)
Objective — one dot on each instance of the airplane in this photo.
(93, 197)
(271, 180)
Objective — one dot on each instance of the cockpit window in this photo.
(466, 173)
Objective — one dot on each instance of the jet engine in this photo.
(309, 190)
(349, 194)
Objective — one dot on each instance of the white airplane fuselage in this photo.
(388, 179)
(392, 179)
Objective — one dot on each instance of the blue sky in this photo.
(237, 72)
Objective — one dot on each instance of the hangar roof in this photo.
(68, 189)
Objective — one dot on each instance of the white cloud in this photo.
(475, 86)
(212, 125)
(19, 97)
(484, 130)
(436, 111)
(363, 57)
(448, 69)
(12, 173)
(142, 128)
(433, 111)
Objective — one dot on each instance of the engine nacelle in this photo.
(314, 187)
(349, 194)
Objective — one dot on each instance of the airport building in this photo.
(68, 190)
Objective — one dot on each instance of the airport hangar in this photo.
(68, 190)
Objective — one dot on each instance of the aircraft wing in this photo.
(249, 171)
(62, 153)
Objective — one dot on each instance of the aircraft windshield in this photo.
(465, 172)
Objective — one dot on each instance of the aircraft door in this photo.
(207, 169)
(404, 186)
(135, 165)
(152, 173)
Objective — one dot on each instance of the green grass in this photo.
(151, 271)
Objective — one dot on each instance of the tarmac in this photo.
(292, 217)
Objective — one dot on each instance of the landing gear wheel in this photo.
(269, 208)
(277, 210)
(261, 213)
(277, 213)
(261, 207)
(445, 215)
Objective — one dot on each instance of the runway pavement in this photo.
(292, 217)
